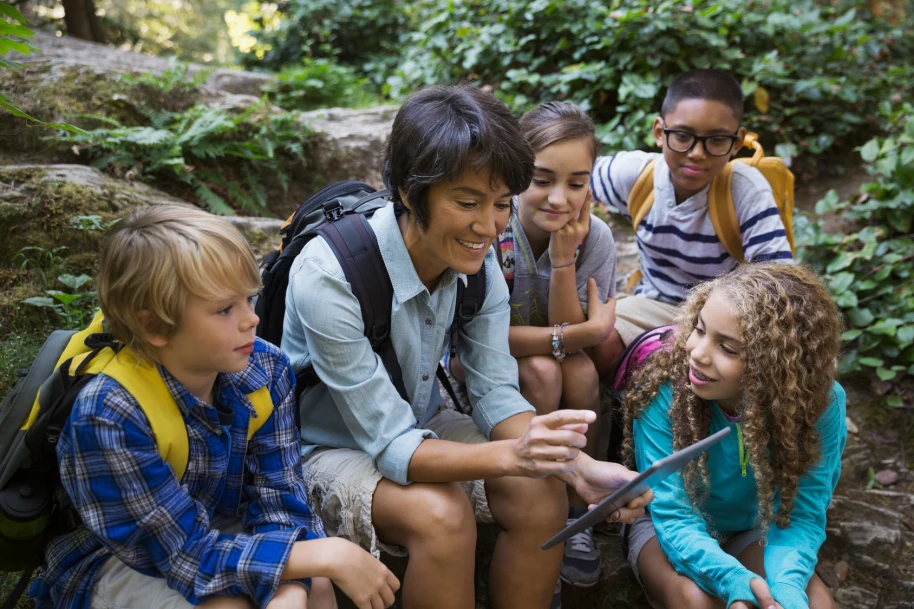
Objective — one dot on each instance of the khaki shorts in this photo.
(341, 483)
(637, 314)
(642, 531)
(119, 586)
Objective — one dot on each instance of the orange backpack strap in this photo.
(640, 201)
(641, 198)
(723, 213)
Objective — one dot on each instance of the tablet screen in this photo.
(654, 474)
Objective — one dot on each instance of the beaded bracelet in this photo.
(558, 343)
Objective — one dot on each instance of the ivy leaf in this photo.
(861, 317)
(894, 401)
(870, 150)
(842, 261)
(905, 335)
(846, 299)
(840, 282)
(74, 282)
(850, 335)
(872, 362)
(41, 301)
(885, 375)
(885, 327)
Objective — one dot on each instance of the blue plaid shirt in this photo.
(133, 506)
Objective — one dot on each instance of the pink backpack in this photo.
(634, 356)
(637, 352)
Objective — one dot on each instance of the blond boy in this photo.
(176, 287)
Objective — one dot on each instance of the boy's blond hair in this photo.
(156, 257)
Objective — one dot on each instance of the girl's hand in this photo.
(289, 596)
(550, 444)
(763, 597)
(596, 480)
(361, 577)
(601, 316)
(564, 242)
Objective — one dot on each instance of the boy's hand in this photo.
(596, 480)
(601, 316)
(763, 597)
(362, 577)
(564, 242)
(289, 596)
(550, 444)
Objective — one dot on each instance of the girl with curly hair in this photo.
(741, 527)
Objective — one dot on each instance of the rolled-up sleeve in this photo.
(491, 371)
(324, 326)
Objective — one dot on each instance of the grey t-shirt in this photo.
(530, 292)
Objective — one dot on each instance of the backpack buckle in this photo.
(333, 211)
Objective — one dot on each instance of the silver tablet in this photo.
(657, 472)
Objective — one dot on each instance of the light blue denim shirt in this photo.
(357, 405)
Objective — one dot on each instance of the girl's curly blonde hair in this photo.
(791, 328)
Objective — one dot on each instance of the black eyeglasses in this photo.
(714, 145)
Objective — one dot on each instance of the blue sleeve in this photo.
(130, 499)
(329, 327)
(791, 554)
(491, 371)
(274, 488)
(681, 531)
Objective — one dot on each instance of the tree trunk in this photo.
(81, 20)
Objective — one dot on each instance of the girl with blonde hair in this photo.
(741, 527)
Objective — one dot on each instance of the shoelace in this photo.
(582, 542)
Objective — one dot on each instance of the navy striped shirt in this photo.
(677, 243)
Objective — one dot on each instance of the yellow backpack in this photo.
(720, 199)
(147, 387)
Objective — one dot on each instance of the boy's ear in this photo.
(657, 129)
(152, 332)
(403, 199)
(741, 135)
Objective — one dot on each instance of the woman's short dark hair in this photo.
(558, 121)
(440, 132)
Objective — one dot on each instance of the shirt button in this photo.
(669, 203)
(428, 321)
(425, 376)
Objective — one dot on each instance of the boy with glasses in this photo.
(698, 131)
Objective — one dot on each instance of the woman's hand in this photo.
(564, 242)
(550, 444)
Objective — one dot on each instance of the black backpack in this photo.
(339, 213)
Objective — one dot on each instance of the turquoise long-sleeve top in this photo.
(683, 533)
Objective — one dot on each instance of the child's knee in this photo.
(540, 378)
(580, 382)
(687, 595)
(322, 595)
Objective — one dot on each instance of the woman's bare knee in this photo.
(322, 595)
(427, 514)
(580, 382)
(228, 602)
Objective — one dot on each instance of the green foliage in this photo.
(74, 306)
(870, 269)
(175, 77)
(223, 155)
(40, 260)
(320, 83)
(14, 35)
(17, 351)
(814, 71)
(351, 32)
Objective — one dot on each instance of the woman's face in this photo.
(716, 352)
(561, 179)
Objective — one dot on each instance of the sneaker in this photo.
(557, 596)
(581, 563)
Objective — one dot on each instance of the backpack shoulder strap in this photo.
(355, 245)
(147, 387)
(641, 198)
(469, 300)
(263, 407)
(723, 213)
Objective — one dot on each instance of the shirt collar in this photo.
(403, 276)
(249, 380)
(664, 191)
